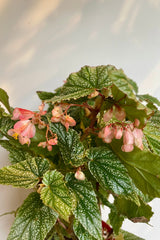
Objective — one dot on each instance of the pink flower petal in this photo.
(118, 132)
(120, 113)
(127, 148)
(26, 128)
(128, 137)
(22, 114)
(108, 115)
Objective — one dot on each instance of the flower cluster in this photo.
(25, 128)
(58, 115)
(131, 135)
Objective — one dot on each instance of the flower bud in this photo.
(79, 175)
(128, 137)
(108, 115)
(95, 93)
(127, 148)
(136, 122)
(138, 136)
(118, 132)
(120, 113)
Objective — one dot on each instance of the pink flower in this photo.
(57, 113)
(108, 115)
(128, 137)
(67, 121)
(49, 143)
(136, 122)
(127, 148)
(24, 130)
(128, 141)
(119, 113)
(138, 136)
(118, 132)
(24, 140)
(107, 134)
(22, 114)
(41, 109)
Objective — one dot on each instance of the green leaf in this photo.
(143, 167)
(130, 236)
(86, 211)
(148, 98)
(74, 95)
(15, 154)
(152, 135)
(81, 232)
(55, 194)
(110, 172)
(84, 82)
(125, 98)
(5, 99)
(116, 220)
(33, 221)
(45, 95)
(24, 174)
(70, 146)
(122, 83)
(135, 213)
(5, 124)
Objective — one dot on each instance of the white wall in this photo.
(42, 41)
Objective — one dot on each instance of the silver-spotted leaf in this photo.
(152, 135)
(55, 194)
(24, 174)
(33, 221)
(81, 232)
(86, 211)
(111, 174)
(15, 154)
(84, 82)
(71, 147)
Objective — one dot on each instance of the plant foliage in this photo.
(97, 138)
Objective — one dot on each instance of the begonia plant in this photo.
(90, 139)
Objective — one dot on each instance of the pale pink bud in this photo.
(120, 113)
(136, 122)
(108, 115)
(22, 114)
(138, 136)
(127, 147)
(79, 175)
(128, 137)
(118, 132)
(93, 94)
(41, 111)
